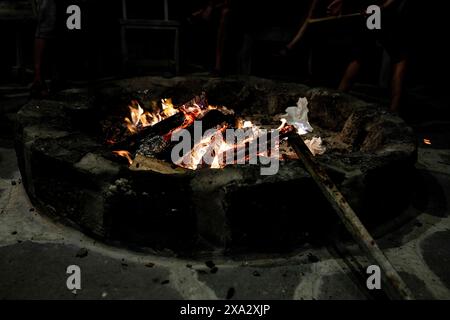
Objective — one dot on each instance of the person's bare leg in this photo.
(350, 75)
(221, 35)
(38, 87)
(39, 52)
(397, 85)
(304, 26)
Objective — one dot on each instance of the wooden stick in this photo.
(332, 18)
(353, 224)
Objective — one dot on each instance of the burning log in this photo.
(159, 129)
(143, 163)
(152, 146)
(243, 151)
(160, 146)
(353, 224)
(212, 119)
(200, 101)
(145, 131)
(163, 127)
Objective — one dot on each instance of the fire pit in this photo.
(72, 168)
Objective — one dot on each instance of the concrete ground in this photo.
(35, 251)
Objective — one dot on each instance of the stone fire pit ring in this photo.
(72, 176)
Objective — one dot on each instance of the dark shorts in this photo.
(392, 37)
(46, 20)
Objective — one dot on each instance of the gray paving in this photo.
(35, 253)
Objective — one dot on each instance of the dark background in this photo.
(94, 52)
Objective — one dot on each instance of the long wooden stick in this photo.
(331, 18)
(309, 21)
(398, 289)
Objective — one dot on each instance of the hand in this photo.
(335, 8)
(387, 4)
(207, 13)
(204, 14)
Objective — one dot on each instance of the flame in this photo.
(214, 145)
(247, 124)
(136, 113)
(427, 141)
(139, 118)
(282, 125)
(125, 154)
(167, 107)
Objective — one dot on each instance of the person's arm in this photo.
(387, 4)
(303, 27)
(206, 12)
(335, 7)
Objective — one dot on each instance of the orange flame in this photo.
(168, 108)
(125, 154)
(213, 143)
(139, 118)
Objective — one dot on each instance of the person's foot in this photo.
(395, 107)
(394, 111)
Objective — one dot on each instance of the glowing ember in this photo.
(221, 153)
(213, 144)
(247, 124)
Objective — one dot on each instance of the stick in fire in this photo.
(396, 285)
